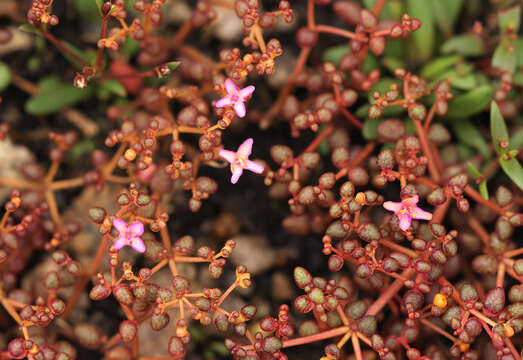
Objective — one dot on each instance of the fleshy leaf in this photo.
(52, 99)
(5, 76)
(510, 19)
(470, 103)
(423, 38)
(466, 45)
(504, 57)
(513, 170)
(469, 135)
(446, 13)
(498, 128)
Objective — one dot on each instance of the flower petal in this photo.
(136, 228)
(395, 207)
(119, 243)
(225, 101)
(405, 221)
(236, 174)
(239, 108)
(138, 244)
(246, 91)
(228, 155)
(120, 225)
(418, 213)
(254, 166)
(231, 87)
(411, 201)
(245, 149)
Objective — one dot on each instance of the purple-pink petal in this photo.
(136, 228)
(120, 225)
(246, 91)
(405, 221)
(236, 173)
(119, 243)
(245, 149)
(411, 201)
(254, 166)
(228, 155)
(239, 108)
(418, 213)
(225, 101)
(231, 87)
(137, 244)
(395, 207)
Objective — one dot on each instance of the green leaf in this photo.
(82, 147)
(437, 66)
(516, 141)
(130, 46)
(510, 19)
(470, 103)
(446, 13)
(513, 170)
(483, 190)
(54, 97)
(466, 45)
(518, 49)
(468, 134)
(88, 11)
(504, 57)
(173, 65)
(334, 54)
(474, 172)
(423, 38)
(77, 52)
(498, 128)
(5, 76)
(114, 87)
(463, 82)
(518, 78)
(30, 29)
(370, 129)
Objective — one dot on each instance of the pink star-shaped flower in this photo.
(235, 97)
(406, 210)
(129, 235)
(239, 160)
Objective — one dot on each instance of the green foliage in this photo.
(470, 103)
(423, 39)
(507, 158)
(54, 95)
(5, 75)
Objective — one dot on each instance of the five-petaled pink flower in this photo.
(406, 210)
(235, 97)
(129, 235)
(239, 160)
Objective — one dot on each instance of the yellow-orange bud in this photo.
(440, 300)
(130, 155)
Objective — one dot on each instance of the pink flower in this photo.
(129, 235)
(406, 210)
(235, 97)
(239, 160)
